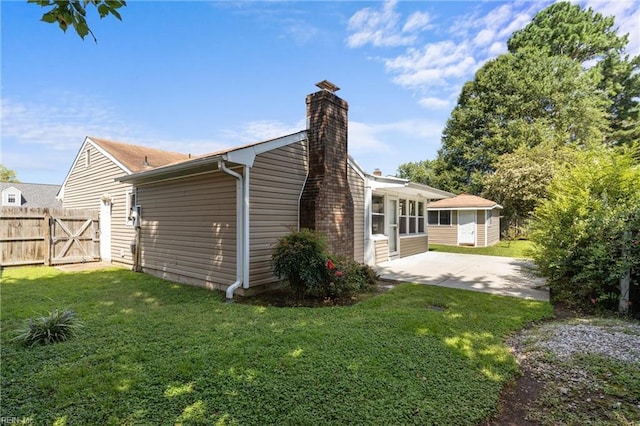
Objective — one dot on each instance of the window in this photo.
(403, 217)
(411, 217)
(130, 197)
(432, 217)
(439, 217)
(445, 217)
(11, 197)
(377, 214)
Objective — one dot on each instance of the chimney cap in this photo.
(328, 86)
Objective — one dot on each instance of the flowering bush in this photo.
(301, 259)
(346, 277)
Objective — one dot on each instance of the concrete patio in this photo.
(488, 274)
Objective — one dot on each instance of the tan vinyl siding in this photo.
(413, 245)
(446, 234)
(276, 181)
(356, 185)
(381, 250)
(189, 230)
(84, 189)
(481, 239)
(493, 228)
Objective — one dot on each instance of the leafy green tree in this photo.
(74, 12)
(583, 35)
(521, 178)
(586, 233)
(566, 29)
(419, 171)
(522, 98)
(619, 78)
(7, 175)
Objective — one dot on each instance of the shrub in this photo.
(300, 259)
(58, 326)
(346, 277)
(584, 232)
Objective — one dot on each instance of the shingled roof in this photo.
(463, 201)
(139, 158)
(35, 194)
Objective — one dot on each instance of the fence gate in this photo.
(31, 236)
(74, 237)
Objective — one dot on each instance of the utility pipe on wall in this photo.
(239, 230)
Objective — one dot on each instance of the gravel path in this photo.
(616, 340)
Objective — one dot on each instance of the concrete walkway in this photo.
(489, 274)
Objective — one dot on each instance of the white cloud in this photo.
(256, 131)
(418, 21)
(383, 27)
(434, 103)
(365, 138)
(484, 37)
(60, 122)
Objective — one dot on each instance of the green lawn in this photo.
(518, 248)
(153, 352)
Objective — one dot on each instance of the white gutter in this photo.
(240, 262)
(245, 229)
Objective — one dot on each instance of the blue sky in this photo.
(196, 77)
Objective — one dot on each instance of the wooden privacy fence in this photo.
(30, 236)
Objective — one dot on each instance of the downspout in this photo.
(239, 230)
(245, 229)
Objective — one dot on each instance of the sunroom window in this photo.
(377, 214)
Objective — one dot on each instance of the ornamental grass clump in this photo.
(58, 326)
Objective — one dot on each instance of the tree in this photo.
(419, 171)
(73, 13)
(566, 29)
(620, 79)
(522, 98)
(7, 175)
(521, 178)
(583, 35)
(586, 233)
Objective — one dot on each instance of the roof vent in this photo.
(328, 86)
(145, 162)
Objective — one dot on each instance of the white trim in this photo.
(475, 228)
(12, 190)
(497, 206)
(486, 228)
(388, 226)
(79, 155)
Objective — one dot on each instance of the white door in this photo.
(105, 230)
(467, 227)
(392, 227)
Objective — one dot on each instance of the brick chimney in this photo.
(326, 204)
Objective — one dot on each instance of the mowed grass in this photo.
(154, 352)
(517, 249)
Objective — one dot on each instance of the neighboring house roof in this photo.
(464, 201)
(34, 194)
